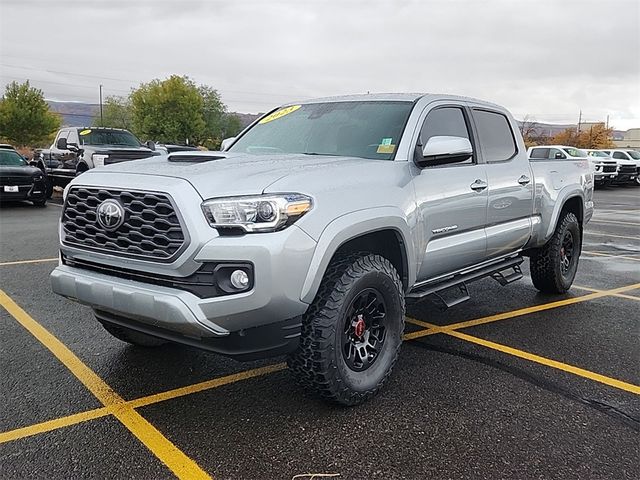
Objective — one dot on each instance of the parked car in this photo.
(605, 168)
(308, 233)
(19, 180)
(78, 149)
(628, 165)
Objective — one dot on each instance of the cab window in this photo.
(496, 137)
(540, 153)
(620, 155)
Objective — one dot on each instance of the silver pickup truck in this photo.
(308, 233)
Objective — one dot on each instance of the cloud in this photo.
(545, 58)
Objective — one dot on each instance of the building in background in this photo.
(630, 139)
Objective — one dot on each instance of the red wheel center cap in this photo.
(359, 327)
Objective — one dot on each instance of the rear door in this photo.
(452, 200)
(510, 179)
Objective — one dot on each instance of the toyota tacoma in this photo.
(308, 233)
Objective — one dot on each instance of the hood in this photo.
(228, 174)
(26, 170)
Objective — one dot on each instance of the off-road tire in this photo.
(318, 365)
(545, 262)
(131, 336)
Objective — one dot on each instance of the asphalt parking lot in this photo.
(512, 384)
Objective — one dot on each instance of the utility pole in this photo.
(579, 121)
(101, 121)
(607, 122)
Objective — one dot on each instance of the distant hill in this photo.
(75, 114)
(79, 114)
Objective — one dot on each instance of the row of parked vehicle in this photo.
(610, 166)
(74, 151)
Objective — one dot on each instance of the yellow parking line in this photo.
(619, 295)
(54, 424)
(22, 262)
(519, 312)
(430, 329)
(599, 254)
(612, 382)
(207, 385)
(158, 444)
(136, 403)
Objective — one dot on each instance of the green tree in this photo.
(116, 113)
(169, 111)
(25, 119)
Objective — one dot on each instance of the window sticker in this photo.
(386, 146)
(279, 113)
(85, 132)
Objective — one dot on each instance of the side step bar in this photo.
(497, 271)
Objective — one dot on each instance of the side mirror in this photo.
(73, 147)
(151, 145)
(441, 150)
(33, 163)
(560, 156)
(226, 143)
(61, 144)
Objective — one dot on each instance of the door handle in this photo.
(523, 180)
(479, 185)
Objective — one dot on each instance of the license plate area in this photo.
(11, 189)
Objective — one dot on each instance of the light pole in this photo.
(101, 121)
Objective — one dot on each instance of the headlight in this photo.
(38, 177)
(98, 160)
(258, 213)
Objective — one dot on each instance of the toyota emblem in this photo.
(110, 214)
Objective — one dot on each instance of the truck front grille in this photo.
(150, 230)
(627, 169)
(609, 167)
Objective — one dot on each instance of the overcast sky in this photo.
(548, 59)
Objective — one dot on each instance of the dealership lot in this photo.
(512, 384)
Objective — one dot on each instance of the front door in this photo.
(452, 201)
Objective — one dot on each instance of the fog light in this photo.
(239, 279)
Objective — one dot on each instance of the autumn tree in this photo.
(116, 113)
(529, 129)
(595, 136)
(25, 119)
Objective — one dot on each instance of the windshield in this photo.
(574, 152)
(11, 158)
(354, 129)
(108, 137)
(633, 154)
(596, 153)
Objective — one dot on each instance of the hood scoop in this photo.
(195, 157)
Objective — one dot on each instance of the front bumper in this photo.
(33, 191)
(263, 321)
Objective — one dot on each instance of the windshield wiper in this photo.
(322, 154)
